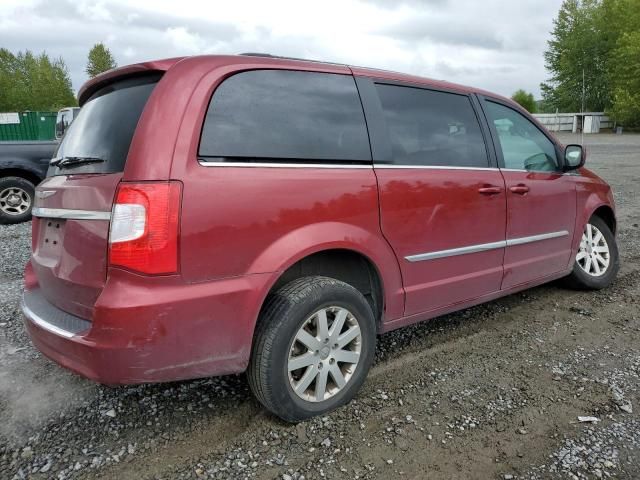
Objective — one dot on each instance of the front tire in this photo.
(597, 262)
(314, 345)
(16, 200)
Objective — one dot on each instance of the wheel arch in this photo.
(301, 249)
(606, 213)
(346, 265)
(21, 173)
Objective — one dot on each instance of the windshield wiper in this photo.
(72, 161)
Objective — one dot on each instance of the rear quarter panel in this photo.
(253, 220)
(239, 221)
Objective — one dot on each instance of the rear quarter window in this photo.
(282, 114)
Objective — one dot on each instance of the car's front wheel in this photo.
(596, 263)
(314, 345)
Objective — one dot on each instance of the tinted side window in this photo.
(286, 114)
(524, 146)
(427, 127)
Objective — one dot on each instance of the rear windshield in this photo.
(104, 127)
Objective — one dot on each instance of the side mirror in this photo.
(574, 157)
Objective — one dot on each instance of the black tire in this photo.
(579, 279)
(284, 313)
(9, 214)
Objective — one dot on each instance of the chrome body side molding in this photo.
(484, 246)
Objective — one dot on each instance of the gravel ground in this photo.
(496, 391)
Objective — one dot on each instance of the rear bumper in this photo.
(151, 329)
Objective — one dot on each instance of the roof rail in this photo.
(283, 57)
(268, 55)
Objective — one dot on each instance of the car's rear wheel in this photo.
(596, 263)
(16, 199)
(313, 347)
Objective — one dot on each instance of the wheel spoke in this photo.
(589, 232)
(346, 356)
(600, 259)
(308, 340)
(598, 237)
(302, 361)
(347, 337)
(323, 326)
(338, 323)
(306, 379)
(581, 255)
(601, 249)
(337, 375)
(321, 384)
(596, 265)
(587, 264)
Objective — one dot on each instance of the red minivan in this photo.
(215, 214)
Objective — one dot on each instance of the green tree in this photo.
(525, 100)
(100, 60)
(621, 24)
(578, 51)
(30, 82)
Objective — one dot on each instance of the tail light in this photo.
(144, 227)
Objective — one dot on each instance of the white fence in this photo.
(589, 122)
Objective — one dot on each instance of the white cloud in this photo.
(181, 38)
(494, 44)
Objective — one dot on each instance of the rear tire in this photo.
(324, 327)
(596, 264)
(16, 199)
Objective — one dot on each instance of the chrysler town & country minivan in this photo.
(219, 214)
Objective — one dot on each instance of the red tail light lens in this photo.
(144, 227)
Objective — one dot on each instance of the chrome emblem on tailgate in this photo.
(45, 193)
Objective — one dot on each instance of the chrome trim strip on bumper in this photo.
(483, 247)
(70, 214)
(42, 323)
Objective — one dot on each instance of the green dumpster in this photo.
(25, 126)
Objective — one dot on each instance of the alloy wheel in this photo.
(14, 201)
(593, 256)
(324, 354)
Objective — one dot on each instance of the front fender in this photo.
(309, 239)
(591, 195)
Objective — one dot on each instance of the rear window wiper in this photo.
(72, 161)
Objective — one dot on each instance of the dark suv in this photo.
(211, 215)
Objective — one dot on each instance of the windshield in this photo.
(104, 127)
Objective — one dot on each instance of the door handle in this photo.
(519, 189)
(490, 190)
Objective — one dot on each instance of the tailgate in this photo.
(70, 239)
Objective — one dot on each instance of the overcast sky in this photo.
(491, 44)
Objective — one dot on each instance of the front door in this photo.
(541, 200)
(442, 202)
